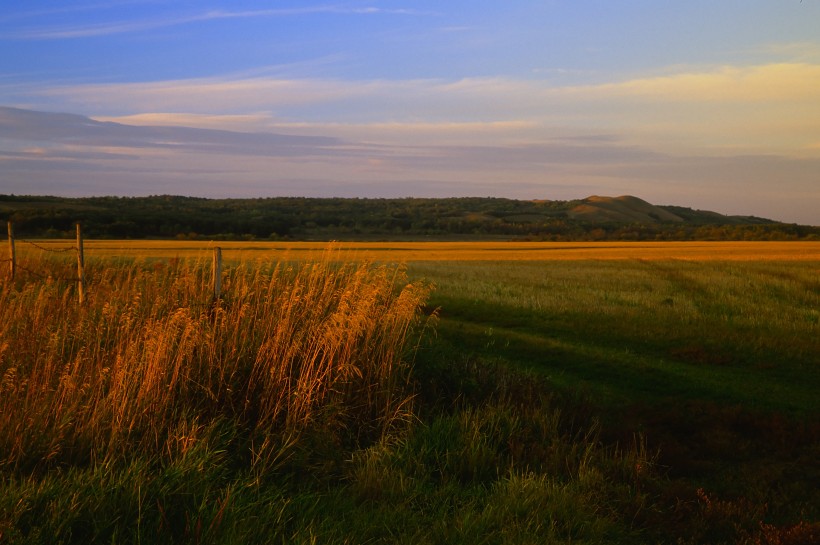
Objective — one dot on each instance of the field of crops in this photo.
(473, 393)
(458, 251)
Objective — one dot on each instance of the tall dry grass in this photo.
(150, 365)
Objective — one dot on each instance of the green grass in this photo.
(552, 402)
(716, 364)
(634, 331)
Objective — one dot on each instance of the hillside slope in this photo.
(624, 209)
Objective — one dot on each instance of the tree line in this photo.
(296, 218)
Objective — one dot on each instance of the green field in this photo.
(617, 400)
(662, 331)
(716, 364)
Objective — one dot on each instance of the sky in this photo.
(713, 105)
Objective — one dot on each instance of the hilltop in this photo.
(624, 209)
(593, 218)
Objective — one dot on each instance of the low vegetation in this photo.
(713, 364)
(338, 402)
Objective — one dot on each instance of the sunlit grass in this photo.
(149, 361)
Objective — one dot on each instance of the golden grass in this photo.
(457, 251)
(149, 359)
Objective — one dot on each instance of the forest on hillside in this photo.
(294, 218)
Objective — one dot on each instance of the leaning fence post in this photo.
(12, 255)
(217, 269)
(80, 265)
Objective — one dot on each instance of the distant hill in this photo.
(593, 218)
(625, 209)
(629, 209)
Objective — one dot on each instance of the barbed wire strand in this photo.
(37, 274)
(21, 267)
(47, 276)
(45, 249)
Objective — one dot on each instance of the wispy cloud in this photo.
(26, 128)
(769, 108)
(408, 132)
(808, 52)
(770, 82)
(73, 8)
(122, 27)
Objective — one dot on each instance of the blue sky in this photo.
(713, 105)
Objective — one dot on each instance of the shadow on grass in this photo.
(741, 432)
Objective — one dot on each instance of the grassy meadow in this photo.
(472, 393)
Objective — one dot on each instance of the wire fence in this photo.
(79, 278)
(14, 265)
(47, 249)
(38, 274)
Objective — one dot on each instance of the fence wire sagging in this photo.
(15, 266)
(79, 278)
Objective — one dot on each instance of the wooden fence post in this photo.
(12, 255)
(217, 269)
(80, 265)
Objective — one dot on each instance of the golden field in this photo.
(450, 251)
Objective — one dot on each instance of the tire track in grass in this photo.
(622, 375)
